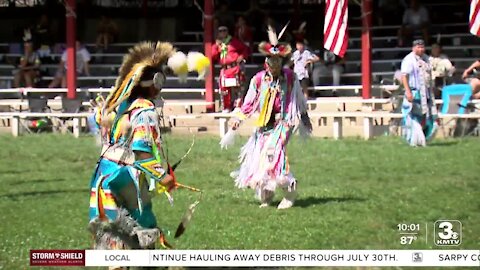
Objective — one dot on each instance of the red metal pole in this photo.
(366, 49)
(71, 48)
(208, 39)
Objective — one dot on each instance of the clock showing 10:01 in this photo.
(408, 227)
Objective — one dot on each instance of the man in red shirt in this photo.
(231, 53)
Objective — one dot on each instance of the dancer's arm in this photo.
(249, 104)
(406, 69)
(145, 144)
(148, 164)
(470, 69)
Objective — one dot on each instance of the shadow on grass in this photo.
(11, 171)
(36, 181)
(446, 143)
(42, 193)
(309, 201)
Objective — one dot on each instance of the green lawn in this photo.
(352, 195)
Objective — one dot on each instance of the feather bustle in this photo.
(142, 54)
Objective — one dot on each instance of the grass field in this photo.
(352, 195)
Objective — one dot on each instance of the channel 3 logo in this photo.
(448, 233)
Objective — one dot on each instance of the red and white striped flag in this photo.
(335, 29)
(475, 17)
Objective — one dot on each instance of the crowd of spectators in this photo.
(314, 65)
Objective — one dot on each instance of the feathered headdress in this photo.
(143, 55)
(273, 48)
(152, 55)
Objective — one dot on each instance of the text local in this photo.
(117, 258)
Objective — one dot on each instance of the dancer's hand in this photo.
(408, 94)
(235, 124)
(168, 182)
(465, 74)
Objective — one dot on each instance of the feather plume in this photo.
(272, 36)
(283, 31)
(199, 63)
(187, 217)
(178, 64)
(302, 27)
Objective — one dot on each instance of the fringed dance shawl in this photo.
(264, 163)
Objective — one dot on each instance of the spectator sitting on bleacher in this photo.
(441, 68)
(83, 59)
(329, 64)
(474, 82)
(415, 21)
(28, 67)
(470, 69)
(107, 31)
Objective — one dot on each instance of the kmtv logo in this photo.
(57, 257)
(448, 233)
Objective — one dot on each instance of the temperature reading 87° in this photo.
(407, 239)
(408, 232)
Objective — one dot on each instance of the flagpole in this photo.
(366, 49)
(207, 40)
(70, 7)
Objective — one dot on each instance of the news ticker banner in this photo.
(252, 258)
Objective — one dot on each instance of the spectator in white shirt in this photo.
(301, 60)
(442, 68)
(82, 66)
(415, 21)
